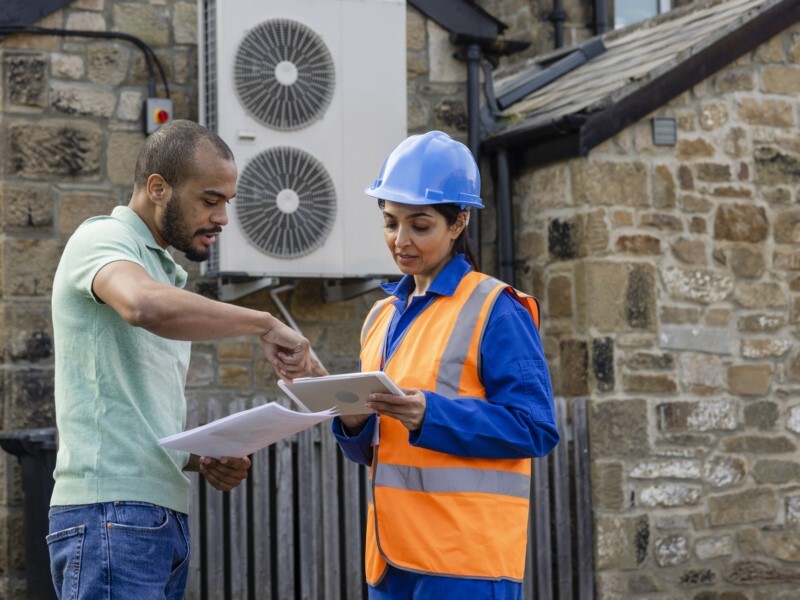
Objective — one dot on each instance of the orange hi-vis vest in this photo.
(432, 512)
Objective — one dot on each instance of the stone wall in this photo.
(670, 282)
(70, 129)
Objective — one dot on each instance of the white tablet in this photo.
(349, 392)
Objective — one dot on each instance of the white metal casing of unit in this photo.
(364, 120)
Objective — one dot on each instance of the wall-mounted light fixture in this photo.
(665, 131)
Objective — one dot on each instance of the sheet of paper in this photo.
(245, 432)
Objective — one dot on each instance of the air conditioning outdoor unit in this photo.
(311, 96)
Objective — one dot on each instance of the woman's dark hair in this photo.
(463, 244)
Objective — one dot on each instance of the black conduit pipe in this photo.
(505, 219)
(473, 128)
(558, 19)
(600, 16)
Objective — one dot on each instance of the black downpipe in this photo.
(505, 219)
(558, 17)
(600, 16)
(473, 129)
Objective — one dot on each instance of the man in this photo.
(123, 329)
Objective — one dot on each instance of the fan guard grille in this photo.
(286, 202)
(284, 74)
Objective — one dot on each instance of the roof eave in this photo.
(589, 130)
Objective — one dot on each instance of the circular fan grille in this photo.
(286, 202)
(284, 74)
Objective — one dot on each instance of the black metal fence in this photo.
(295, 529)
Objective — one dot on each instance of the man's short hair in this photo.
(170, 151)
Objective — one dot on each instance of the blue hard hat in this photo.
(431, 168)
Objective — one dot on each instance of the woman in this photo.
(450, 477)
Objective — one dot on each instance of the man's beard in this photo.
(175, 231)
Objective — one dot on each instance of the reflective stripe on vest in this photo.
(433, 512)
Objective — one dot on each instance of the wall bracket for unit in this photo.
(345, 289)
(233, 289)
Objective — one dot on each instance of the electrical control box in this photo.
(157, 112)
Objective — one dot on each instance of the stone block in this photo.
(695, 577)
(610, 183)
(129, 107)
(749, 380)
(28, 330)
(86, 21)
(559, 297)
(761, 323)
(759, 573)
(67, 66)
(671, 550)
(746, 262)
(54, 149)
(83, 101)
(760, 296)
(713, 172)
(603, 363)
(12, 541)
(649, 361)
(780, 79)
(771, 113)
(664, 195)
(713, 115)
(619, 428)
(733, 80)
(450, 115)
(725, 471)
(184, 23)
(599, 286)
(29, 266)
(543, 187)
(689, 251)
(679, 315)
(202, 370)
(108, 63)
(741, 223)
(25, 80)
(444, 68)
(700, 373)
(761, 415)
(775, 166)
(662, 222)
(783, 545)
(667, 469)
(622, 542)
(698, 339)
(718, 317)
(607, 481)
(714, 547)
(786, 259)
(123, 149)
(639, 245)
(765, 348)
(75, 208)
(793, 510)
(698, 225)
(649, 384)
(419, 113)
(149, 23)
(235, 376)
(307, 304)
(669, 495)
(747, 506)
(29, 397)
(705, 415)
(685, 178)
(241, 351)
(415, 29)
(793, 420)
(776, 472)
(695, 148)
(574, 368)
(758, 444)
(787, 227)
(26, 207)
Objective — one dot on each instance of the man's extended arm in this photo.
(174, 313)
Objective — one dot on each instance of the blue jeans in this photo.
(119, 550)
(406, 585)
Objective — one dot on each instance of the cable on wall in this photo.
(149, 56)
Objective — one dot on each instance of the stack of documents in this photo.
(245, 432)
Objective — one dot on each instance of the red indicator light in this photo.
(161, 116)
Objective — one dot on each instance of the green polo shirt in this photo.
(118, 388)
